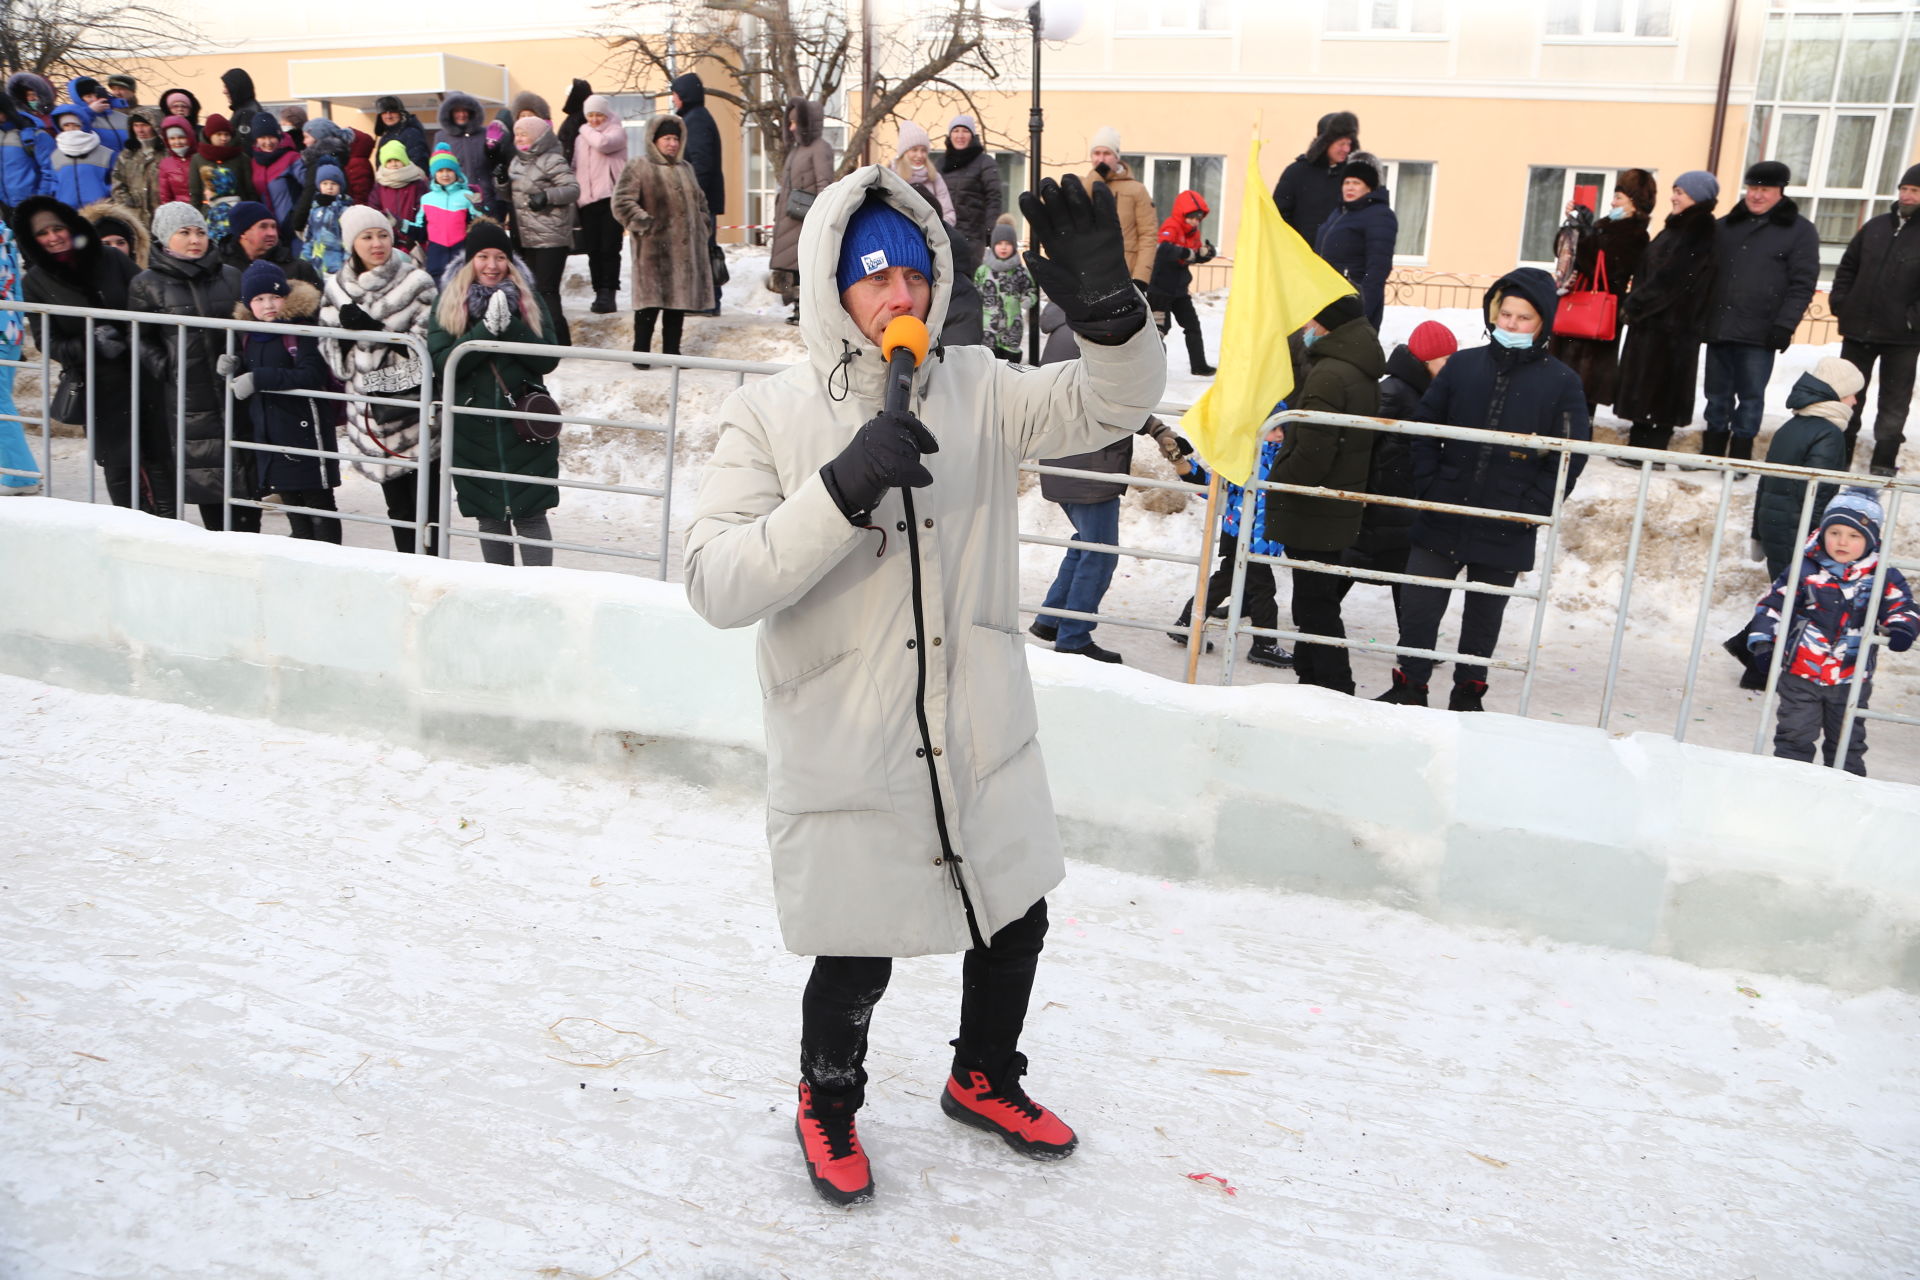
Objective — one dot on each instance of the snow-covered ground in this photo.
(288, 1005)
(1576, 637)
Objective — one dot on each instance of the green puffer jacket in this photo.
(1343, 376)
(494, 444)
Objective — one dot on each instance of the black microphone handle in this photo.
(900, 368)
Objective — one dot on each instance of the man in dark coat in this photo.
(243, 104)
(1343, 376)
(1514, 385)
(397, 124)
(1309, 188)
(973, 183)
(703, 153)
(254, 236)
(1876, 298)
(1768, 267)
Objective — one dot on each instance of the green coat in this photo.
(1343, 376)
(493, 444)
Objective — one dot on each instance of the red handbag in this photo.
(1588, 313)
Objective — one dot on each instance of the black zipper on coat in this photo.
(926, 735)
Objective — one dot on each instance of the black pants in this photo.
(1896, 394)
(1394, 561)
(995, 986)
(601, 237)
(245, 519)
(1260, 602)
(548, 267)
(156, 488)
(312, 528)
(519, 527)
(1181, 309)
(1316, 611)
(1423, 607)
(1810, 712)
(402, 495)
(669, 329)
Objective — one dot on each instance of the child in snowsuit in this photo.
(1006, 291)
(448, 208)
(287, 362)
(1825, 630)
(218, 177)
(398, 186)
(330, 199)
(1260, 605)
(82, 165)
(1170, 291)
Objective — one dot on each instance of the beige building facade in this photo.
(1489, 114)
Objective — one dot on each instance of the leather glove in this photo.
(499, 314)
(354, 316)
(228, 366)
(243, 386)
(884, 454)
(536, 200)
(1084, 271)
(1899, 639)
(109, 342)
(1781, 336)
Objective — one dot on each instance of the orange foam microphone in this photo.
(903, 345)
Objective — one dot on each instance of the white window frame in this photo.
(1144, 174)
(1157, 27)
(1630, 19)
(1390, 176)
(1612, 173)
(1401, 29)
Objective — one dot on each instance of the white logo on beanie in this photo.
(875, 261)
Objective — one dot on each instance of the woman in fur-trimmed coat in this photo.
(658, 201)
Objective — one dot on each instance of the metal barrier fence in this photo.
(424, 527)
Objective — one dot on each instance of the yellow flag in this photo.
(1279, 283)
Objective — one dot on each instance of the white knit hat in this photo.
(1105, 136)
(362, 217)
(911, 136)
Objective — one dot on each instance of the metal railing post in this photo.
(1863, 659)
(180, 429)
(425, 515)
(46, 417)
(1706, 607)
(226, 443)
(1626, 594)
(134, 384)
(666, 482)
(1776, 658)
(1237, 596)
(1546, 579)
(449, 393)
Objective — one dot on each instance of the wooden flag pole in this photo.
(1196, 640)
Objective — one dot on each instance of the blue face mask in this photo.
(1515, 341)
(1309, 336)
(1616, 212)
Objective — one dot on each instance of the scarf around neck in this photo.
(405, 176)
(1831, 410)
(76, 142)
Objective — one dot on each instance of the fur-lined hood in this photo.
(141, 238)
(303, 304)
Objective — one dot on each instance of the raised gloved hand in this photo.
(228, 366)
(1085, 268)
(242, 386)
(884, 454)
(354, 316)
(499, 313)
(109, 342)
(537, 200)
(1899, 639)
(1780, 337)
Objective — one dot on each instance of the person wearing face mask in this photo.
(26, 146)
(1139, 222)
(1511, 384)
(136, 175)
(1617, 239)
(1309, 189)
(173, 179)
(185, 277)
(82, 166)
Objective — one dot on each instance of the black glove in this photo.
(1899, 639)
(353, 316)
(1780, 336)
(536, 200)
(883, 455)
(1761, 655)
(109, 342)
(1085, 268)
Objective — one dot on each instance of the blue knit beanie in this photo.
(879, 236)
(1699, 185)
(1860, 511)
(263, 277)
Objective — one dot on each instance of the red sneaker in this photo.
(1006, 1110)
(835, 1163)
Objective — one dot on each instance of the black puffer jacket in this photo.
(1767, 269)
(1804, 440)
(1309, 189)
(703, 142)
(973, 184)
(1876, 287)
(1390, 465)
(1343, 376)
(468, 141)
(1665, 314)
(291, 361)
(1357, 241)
(96, 277)
(575, 115)
(1497, 388)
(242, 106)
(192, 287)
(409, 132)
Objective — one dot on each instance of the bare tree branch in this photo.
(58, 38)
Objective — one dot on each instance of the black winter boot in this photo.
(1404, 692)
(1266, 652)
(1886, 456)
(1468, 695)
(1740, 448)
(1753, 675)
(1044, 629)
(603, 304)
(1185, 619)
(1713, 444)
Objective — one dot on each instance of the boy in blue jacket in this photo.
(81, 169)
(1825, 629)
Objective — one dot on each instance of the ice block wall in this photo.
(1727, 860)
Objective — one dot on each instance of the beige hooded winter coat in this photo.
(904, 780)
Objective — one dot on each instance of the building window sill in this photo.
(1399, 37)
(1635, 42)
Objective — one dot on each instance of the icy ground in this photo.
(287, 1005)
(1575, 641)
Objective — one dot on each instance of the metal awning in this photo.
(420, 80)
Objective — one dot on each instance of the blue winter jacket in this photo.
(1230, 498)
(25, 149)
(1829, 611)
(1357, 240)
(1495, 388)
(111, 125)
(80, 180)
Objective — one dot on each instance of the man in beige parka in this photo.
(908, 809)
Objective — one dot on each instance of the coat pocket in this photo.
(826, 738)
(999, 698)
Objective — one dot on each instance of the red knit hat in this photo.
(1430, 340)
